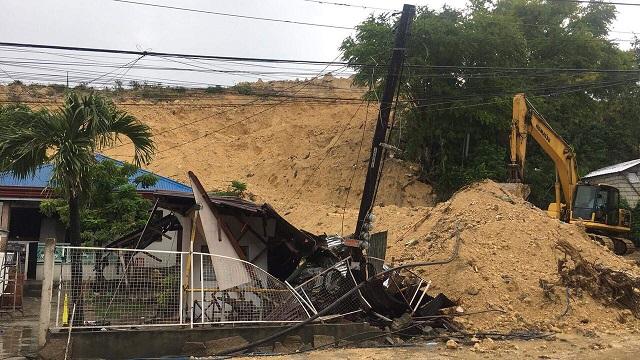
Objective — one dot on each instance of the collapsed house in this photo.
(317, 269)
(229, 261)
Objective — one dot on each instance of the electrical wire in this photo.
(125, 66)
(310, 62)
(348, 5)
(597, 2)
(232, 15)
(8, 75)
(305, 84)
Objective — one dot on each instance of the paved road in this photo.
(18, 332)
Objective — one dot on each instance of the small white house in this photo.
(624, 176)
(27, 228)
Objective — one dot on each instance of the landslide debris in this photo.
(289, 153)
(538, 272)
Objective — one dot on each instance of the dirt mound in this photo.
(509, 261)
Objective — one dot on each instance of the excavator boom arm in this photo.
(527, 121)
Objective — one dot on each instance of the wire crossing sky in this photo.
(277, 29)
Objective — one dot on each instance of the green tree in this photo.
(68, 138)
(463, 67)
(112, 207)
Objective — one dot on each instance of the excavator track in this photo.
(603, 240)
(619, 246)
(623, 246)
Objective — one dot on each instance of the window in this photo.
(584, 202)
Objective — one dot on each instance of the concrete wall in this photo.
(147, 343)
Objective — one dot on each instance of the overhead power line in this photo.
(349, 5)
(165, 54)
(295, 22)
(308, 62)
(617, 3)
(206, 134)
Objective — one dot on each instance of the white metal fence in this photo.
(132, 288)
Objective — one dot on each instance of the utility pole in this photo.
(380, 134)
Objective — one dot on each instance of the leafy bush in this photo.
(59, 88)
(214, 89)
(112, 206)
(236, 188)
(243, 89)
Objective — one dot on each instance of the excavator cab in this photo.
(599, 204)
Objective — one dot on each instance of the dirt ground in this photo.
(621, 346)
(18, 331)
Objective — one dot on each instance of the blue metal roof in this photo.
(43, 174)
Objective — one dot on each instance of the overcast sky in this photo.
(110, 24)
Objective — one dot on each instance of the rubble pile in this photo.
(613, 286)
(534, 271)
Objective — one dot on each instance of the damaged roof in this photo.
(43, 174)
(612, 169)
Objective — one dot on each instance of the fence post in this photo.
(201, 289)
(181, 308)
(47, 287)
(191, 307)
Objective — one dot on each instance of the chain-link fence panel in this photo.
(135, 288)
(118, 287)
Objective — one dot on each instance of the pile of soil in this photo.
(289, 153)
(509, 259)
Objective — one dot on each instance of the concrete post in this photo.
(47, 290)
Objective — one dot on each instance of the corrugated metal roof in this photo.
(612, 169)
(43, 174)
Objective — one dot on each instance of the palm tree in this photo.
(68, 138)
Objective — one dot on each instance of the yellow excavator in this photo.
(596, 206)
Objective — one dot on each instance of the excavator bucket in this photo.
(517, 189)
